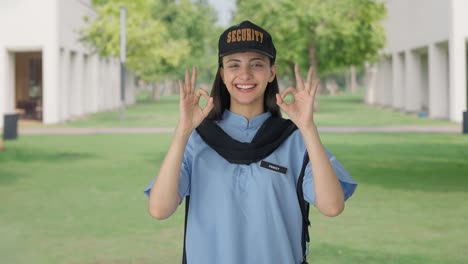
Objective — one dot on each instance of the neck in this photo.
(247, 111)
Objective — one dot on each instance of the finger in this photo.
(290, 90)
(187, 80)
(201, 92)
(181, 88)
(314, 89)
(299, 81)
(310, 75)
(194, 78)
(279, 99)
(208, 107)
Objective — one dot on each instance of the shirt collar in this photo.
(240, 122)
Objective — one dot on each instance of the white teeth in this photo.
(244, 87)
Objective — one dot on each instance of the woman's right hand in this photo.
(190, 112)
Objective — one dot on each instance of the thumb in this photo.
(208, 107)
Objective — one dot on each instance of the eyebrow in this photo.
(252, 59)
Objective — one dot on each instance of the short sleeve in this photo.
(184, 176)
(347, 183)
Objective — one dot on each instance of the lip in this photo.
(245, 87)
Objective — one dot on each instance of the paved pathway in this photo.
(115, 130)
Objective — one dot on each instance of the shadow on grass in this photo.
(422, 167)
(167, 100)
(21, 154)
(9, 176)
(154, 157)
(15, 156)
(326, 253)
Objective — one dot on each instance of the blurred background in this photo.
(86, 120)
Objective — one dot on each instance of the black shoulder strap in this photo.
(187, 203)
(304, 205)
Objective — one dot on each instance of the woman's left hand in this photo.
(300, 111)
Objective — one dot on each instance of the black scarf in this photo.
(268, 138)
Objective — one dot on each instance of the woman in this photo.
(244, 207)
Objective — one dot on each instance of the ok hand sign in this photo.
(190, 112)
(301, 109)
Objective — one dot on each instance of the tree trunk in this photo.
(353, 80)
(313, 59)
(170, 87)
(156, 91)
(348, 81)
(332, 86)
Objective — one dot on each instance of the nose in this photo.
(245, 73)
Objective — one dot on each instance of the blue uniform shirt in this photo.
(246, 213)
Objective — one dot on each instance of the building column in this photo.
(64, 72)
(412, 91)
(3, 83)
(370, 83)
(438, 82)
(51, 100)
(116, 83)
(457, 60)
(398, 80)
(102, 85)
(380, 82)
(424, 81)
(7, 84)
(86, 105)
(129, 88)
(387, 87)
(72, 85)
(78, 85)
(94, 82)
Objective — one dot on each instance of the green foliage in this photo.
(195, 22)
(329, 34)
(163, 36)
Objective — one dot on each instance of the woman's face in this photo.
(246, 76)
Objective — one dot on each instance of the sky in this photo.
(224, 8)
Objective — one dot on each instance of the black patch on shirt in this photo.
(273, 167)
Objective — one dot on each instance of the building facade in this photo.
(46, 73)
(423, 68)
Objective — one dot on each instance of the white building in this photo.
(45, 72)
(424, 65)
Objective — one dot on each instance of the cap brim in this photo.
(246, 50)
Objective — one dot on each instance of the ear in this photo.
(272, 73)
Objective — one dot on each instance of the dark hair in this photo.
(222, 98)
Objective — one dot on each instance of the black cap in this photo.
(246, 36)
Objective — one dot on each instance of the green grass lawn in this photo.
(343, 110)
(79, 199)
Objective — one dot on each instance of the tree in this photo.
(194, 21)
(327, 34)
(163, 36)
(149, 46)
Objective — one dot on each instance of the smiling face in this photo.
(246, 76)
